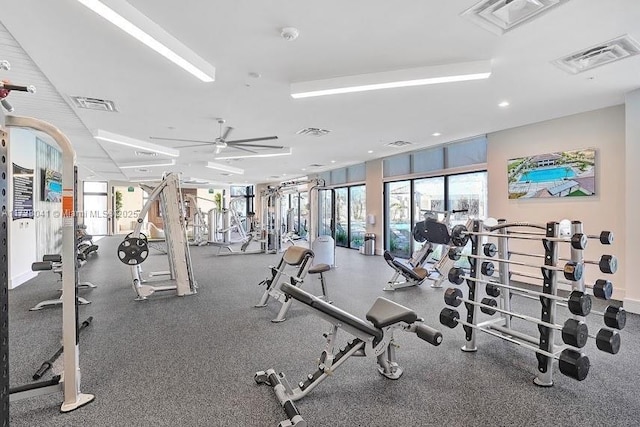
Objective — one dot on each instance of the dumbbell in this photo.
(571, 363)
(578, 302)
(460, 236)
(607, 263)
(453, 297)
(575, 333)
(602, 289)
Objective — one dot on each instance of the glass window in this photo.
(95, 187)
(342, 217)
(428, 195)
(397, 165)
(357, 214)
(467, 191)
(427, 160)
(325, 209)
(398, 218)
(465, 153)
(356, 173)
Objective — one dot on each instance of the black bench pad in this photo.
(398, 265)
(331, 310)
(385, 312)
(41, 266)
(434, 232)
(319, 268)
(52, 257)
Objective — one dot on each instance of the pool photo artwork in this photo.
(560, 174)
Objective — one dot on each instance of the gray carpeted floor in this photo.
(190, 361)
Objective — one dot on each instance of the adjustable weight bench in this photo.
(54, 263)
(372, 338)
(294, 256)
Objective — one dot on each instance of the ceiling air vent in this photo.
(94, 104)
(600, 54)
(313, 132)
(399, 143)
(500, 16)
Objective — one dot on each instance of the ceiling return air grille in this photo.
(399, 143)
(600, 54)
(94, 104)
(500, 16)
(313, 132)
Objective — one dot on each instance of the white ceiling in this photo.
(82, 54)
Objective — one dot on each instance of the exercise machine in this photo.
(422, 265)
(53, 263)
(134, 249)
(373, 338)
(197, 222)
(226, 228)
(69, 381)
(298, 258)
(86, 246)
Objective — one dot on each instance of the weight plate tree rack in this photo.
(573, 362)
(69, 382)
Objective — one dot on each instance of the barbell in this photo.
(572, 270)
(571, 363)
(578, 302)
(460, 236)
(570, 332)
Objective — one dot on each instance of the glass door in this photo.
(95, 204)
(398, 221)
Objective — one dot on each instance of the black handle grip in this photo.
(429, 334)
(8, 86)
(40, 372)
(459, 210)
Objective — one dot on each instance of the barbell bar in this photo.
(578, 302)
(570, 332)
(602, 289)
(572, 270)
(460, 237)
(571, 363)
(607, 263)
(605, 237)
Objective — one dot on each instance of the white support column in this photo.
(632, 200)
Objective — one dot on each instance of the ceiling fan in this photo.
(221, 142)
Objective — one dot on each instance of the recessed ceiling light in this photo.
(224, 168)
(394, 79)
(149, 165)
(504, 104)
(370, 151)
(288, 152)
(333, 161)
(303, 169)
(436, 134)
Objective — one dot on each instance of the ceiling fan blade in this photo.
(226, 133)
(197, 145)
(264, 138)
(279, 147)
(240, 147)
(181, 140)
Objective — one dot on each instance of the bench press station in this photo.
(372, 339)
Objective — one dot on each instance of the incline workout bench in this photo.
(372, 339)
(294, 256)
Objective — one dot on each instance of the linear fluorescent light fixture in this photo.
(103, 135)
(246, 156)
(421, 76)
(225, 168)
(136, 24)
(150, 165)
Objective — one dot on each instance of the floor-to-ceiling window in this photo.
(357, 212)
(342, 217)
(398, 218)
(440, 178)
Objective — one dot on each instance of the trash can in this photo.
(369, 244)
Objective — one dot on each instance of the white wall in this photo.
(603, 130)
(632, 199)
(21, 232)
